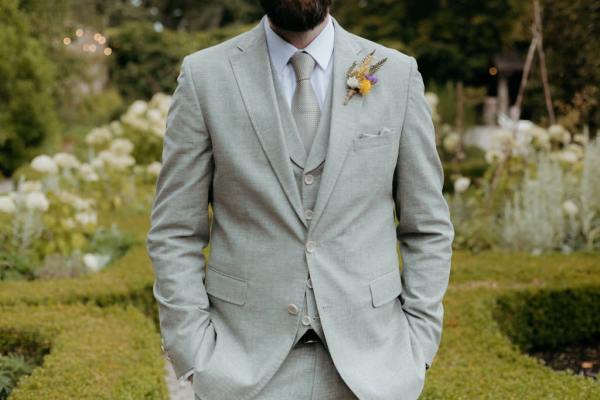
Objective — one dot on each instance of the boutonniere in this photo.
(360, 78)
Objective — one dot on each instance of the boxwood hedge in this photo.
(497, 306)
(89, 352)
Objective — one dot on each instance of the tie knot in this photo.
(303, 64)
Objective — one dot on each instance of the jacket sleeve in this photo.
(179, 229)
(425, 232)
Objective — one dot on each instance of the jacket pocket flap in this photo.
(226, 287)
(385, 288)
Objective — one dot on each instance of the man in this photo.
(302, 296)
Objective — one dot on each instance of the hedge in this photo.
(481, 355)
(492, 302)
(90, 352)
(128, 280)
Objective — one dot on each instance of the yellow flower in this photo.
(365, 86)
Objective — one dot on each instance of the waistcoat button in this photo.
(293, 309)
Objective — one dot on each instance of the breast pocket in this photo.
(367, 140)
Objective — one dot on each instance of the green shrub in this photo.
(551, 318)
(476, 359)
(145, 62)
(27, 117)
(12, 367)
(92, 353)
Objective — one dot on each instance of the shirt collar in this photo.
(280, 50)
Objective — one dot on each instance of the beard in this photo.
(296, 15)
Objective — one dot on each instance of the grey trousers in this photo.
(307, 373)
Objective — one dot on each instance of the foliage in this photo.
(145, 61)
(27, 115)
(550, 318)
(534, 219)
(109, 353)
(570, 27)
(143, 124)
(538, 193)
(474, 344)
(434, 31)
(12, 367)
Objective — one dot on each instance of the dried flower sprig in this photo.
(360, 78)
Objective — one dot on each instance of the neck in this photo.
(300, 39)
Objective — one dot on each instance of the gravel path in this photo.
(177, 391)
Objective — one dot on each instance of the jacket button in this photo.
(308, 213)
(311, 245)
(293, 309)
(308, 179)
(309, 283)
(306, 320)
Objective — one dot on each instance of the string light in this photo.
(493, 71)
(67, 41)
(79, 32)
(107, 51)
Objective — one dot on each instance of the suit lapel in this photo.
(252, 70)
(344, 118)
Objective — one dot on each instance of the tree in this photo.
(27, 116)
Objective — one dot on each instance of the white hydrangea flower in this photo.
(154, 168)
(37, 201)
(69, 223)
(98, 136)
(504, 139)
(87, 173)
(432, 99)
(461, 184)
(451, 142)
(97, 163)
(559, 134)
(7, 205)
(117, 128)
(30, 186)
(540, 138)
(494, 156)
(44, 163)
(580, 138)
(86, 218)
(121, 146)
(138, 107)
(353, 82)
(115, 160)
(95, 262)
(566, 156)
(66, 160)
(570, 208)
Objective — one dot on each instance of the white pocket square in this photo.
(383, 131)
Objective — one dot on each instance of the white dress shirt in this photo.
(280, 51)
(320, 48)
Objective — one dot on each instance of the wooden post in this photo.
(540, 48)
(536, 45)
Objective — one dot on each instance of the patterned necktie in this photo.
(305, 107)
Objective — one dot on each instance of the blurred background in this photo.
(514, 90)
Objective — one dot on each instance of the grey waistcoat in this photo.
(307, 170)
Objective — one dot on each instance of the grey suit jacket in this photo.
(228, 317)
